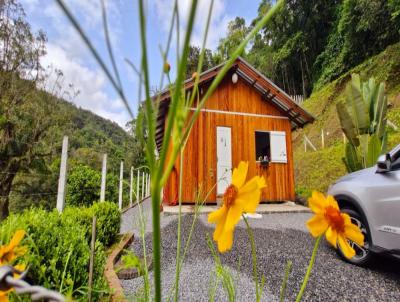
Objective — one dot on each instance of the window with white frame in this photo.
(271, 146)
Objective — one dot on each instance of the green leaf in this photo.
(363, 150)
(347, 124)
(352, 159)
(380, 110)
(374, 150)
(356, 102)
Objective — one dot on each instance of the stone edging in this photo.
(109, 273)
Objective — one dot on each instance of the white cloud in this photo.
(67, 52)
(90, 83)
(218, 24)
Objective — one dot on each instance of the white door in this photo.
(224, 159)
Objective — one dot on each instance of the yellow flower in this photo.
(11, 251)
(337, 226)
(238, 198)
(4, 295)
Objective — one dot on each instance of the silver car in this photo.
(372, 198)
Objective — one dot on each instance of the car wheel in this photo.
(363, 253)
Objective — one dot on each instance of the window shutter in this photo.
(278, 147)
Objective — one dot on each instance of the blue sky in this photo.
(66, 51)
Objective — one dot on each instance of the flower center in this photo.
(230, 195)
(334, 218)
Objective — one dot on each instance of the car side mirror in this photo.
(384, 163)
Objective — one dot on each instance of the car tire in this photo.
(363, 254)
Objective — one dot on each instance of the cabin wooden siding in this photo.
(200, 163)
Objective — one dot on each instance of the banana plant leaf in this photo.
(374, 150)
(380, 111)
(356, 102)
(352, 160)
(347, 124)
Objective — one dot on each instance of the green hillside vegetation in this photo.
(90, 136)
(318, 169)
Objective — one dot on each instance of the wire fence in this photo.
(21, 287)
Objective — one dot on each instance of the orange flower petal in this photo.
(317, 202)
(317, 225)
(16, 238)
(345, 247)
(219, 228)
(225, 241)
(249, 196)
(233, 217)
(353, 233)
(218, 215)
(239, 174)
(332, 202)
(332, 236)
(4, 296)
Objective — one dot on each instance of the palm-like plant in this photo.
(363, 121)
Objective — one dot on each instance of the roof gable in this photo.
(268, 90)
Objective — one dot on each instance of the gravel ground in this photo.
(279, 238)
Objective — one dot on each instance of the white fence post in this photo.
(322, 139)
(121, 178)
(148, 186)
(137, 186)
(310, 143)
(393, 125)
(131, 188)
(103, 178)
(63, 176)
(143, 185)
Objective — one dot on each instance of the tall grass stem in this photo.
(310, 266)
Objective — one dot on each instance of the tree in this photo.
(363, 28)
(288, 46)
(193, 60)
(22, 121)
(237, 31)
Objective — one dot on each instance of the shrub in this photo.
(59, 245)
(83, 186)
(108, 220)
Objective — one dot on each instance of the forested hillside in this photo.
(34, 117)
(318, 169)
(309, 43)
(90, 136)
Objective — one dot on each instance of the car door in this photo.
(384, 191)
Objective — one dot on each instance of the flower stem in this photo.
(310, 265)
(254, 256)
(178, 247)
(285, 279)
(155, 205)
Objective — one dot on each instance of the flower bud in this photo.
(167, 67)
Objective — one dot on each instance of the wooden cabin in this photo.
(248, 118)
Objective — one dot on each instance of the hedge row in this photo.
(59, 246)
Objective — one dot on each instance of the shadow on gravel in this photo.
(331, 279)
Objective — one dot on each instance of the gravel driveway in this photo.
(279, 238)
